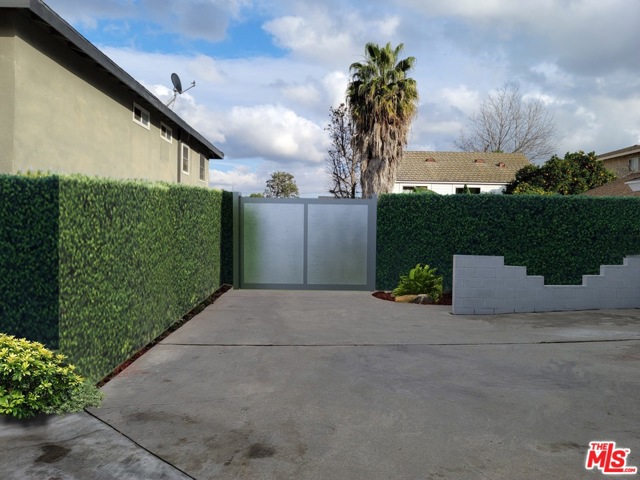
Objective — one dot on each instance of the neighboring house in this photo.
(622, 187)
(622, 162)
(449, 172)
(68, 108)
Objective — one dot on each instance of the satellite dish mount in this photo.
(177, 88)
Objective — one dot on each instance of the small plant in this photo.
(421, 280)
(35, 380)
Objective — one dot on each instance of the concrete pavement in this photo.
(340, 385)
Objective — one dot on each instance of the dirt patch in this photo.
(446, 299)
(260, 450)
(52, 453)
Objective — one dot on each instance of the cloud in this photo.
(239, 179)
(202, 19)
(274, 132)
(88, 14)
(461, 98)
(317, 39)
(335, 38)
(580, 36)
(196, 19)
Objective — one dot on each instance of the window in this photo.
(474, 190)
(203, 166)
(141, 116)
(408, 189)
(185, 159)
(166, 133)
(634, 164)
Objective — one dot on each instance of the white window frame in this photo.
(143, 114)
(184, 155)
(164, 128)
(634, 164)
(203, 168)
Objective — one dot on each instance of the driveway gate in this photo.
(301, 243)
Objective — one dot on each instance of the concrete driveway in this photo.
(340, 385)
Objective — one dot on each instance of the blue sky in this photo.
(267, 71)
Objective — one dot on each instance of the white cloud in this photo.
(312, 39)
(240, 179)
(305, 94)
(335, 86)
(274, 132)
(461, 97)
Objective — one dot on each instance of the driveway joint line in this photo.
(139, 445)
(542, 342)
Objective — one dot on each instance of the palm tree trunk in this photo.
(378, 176)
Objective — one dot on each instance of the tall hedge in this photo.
(106, 265)
(29, 257)
(561, 238)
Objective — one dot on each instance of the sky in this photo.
(268, 71)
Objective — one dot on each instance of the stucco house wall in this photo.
(65, 113)
(622, 162)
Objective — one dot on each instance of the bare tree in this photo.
(341, 164)
(508, 123)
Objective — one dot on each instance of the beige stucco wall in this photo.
(70, 116)
(7, 46)
(620, 165)
(193, 175)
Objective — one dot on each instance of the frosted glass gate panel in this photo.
(337, 240)
(273, 251)
(305, 243)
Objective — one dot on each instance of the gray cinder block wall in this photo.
(485, 285)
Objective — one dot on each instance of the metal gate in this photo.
(301, 243)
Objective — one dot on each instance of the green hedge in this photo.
(226, 239)
(127, 260)
(29, 258)
(561, 238)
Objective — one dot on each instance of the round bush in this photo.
(33, 379)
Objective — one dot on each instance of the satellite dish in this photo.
(177, 84)
(177, 88)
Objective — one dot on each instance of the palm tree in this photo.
(382, 102)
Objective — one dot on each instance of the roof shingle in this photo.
(471, 167)
(617, 188)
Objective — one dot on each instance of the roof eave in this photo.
(619, 153)
(47, 15)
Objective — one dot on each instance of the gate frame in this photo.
(238, 239)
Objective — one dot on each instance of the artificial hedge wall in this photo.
(127, 259)
(559, 237)
(29, 257)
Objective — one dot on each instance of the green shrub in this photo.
(421, 280)
(33, 379)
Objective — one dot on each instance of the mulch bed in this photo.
(446, 299)
(188, 316)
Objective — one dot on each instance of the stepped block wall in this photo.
(485, 285)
